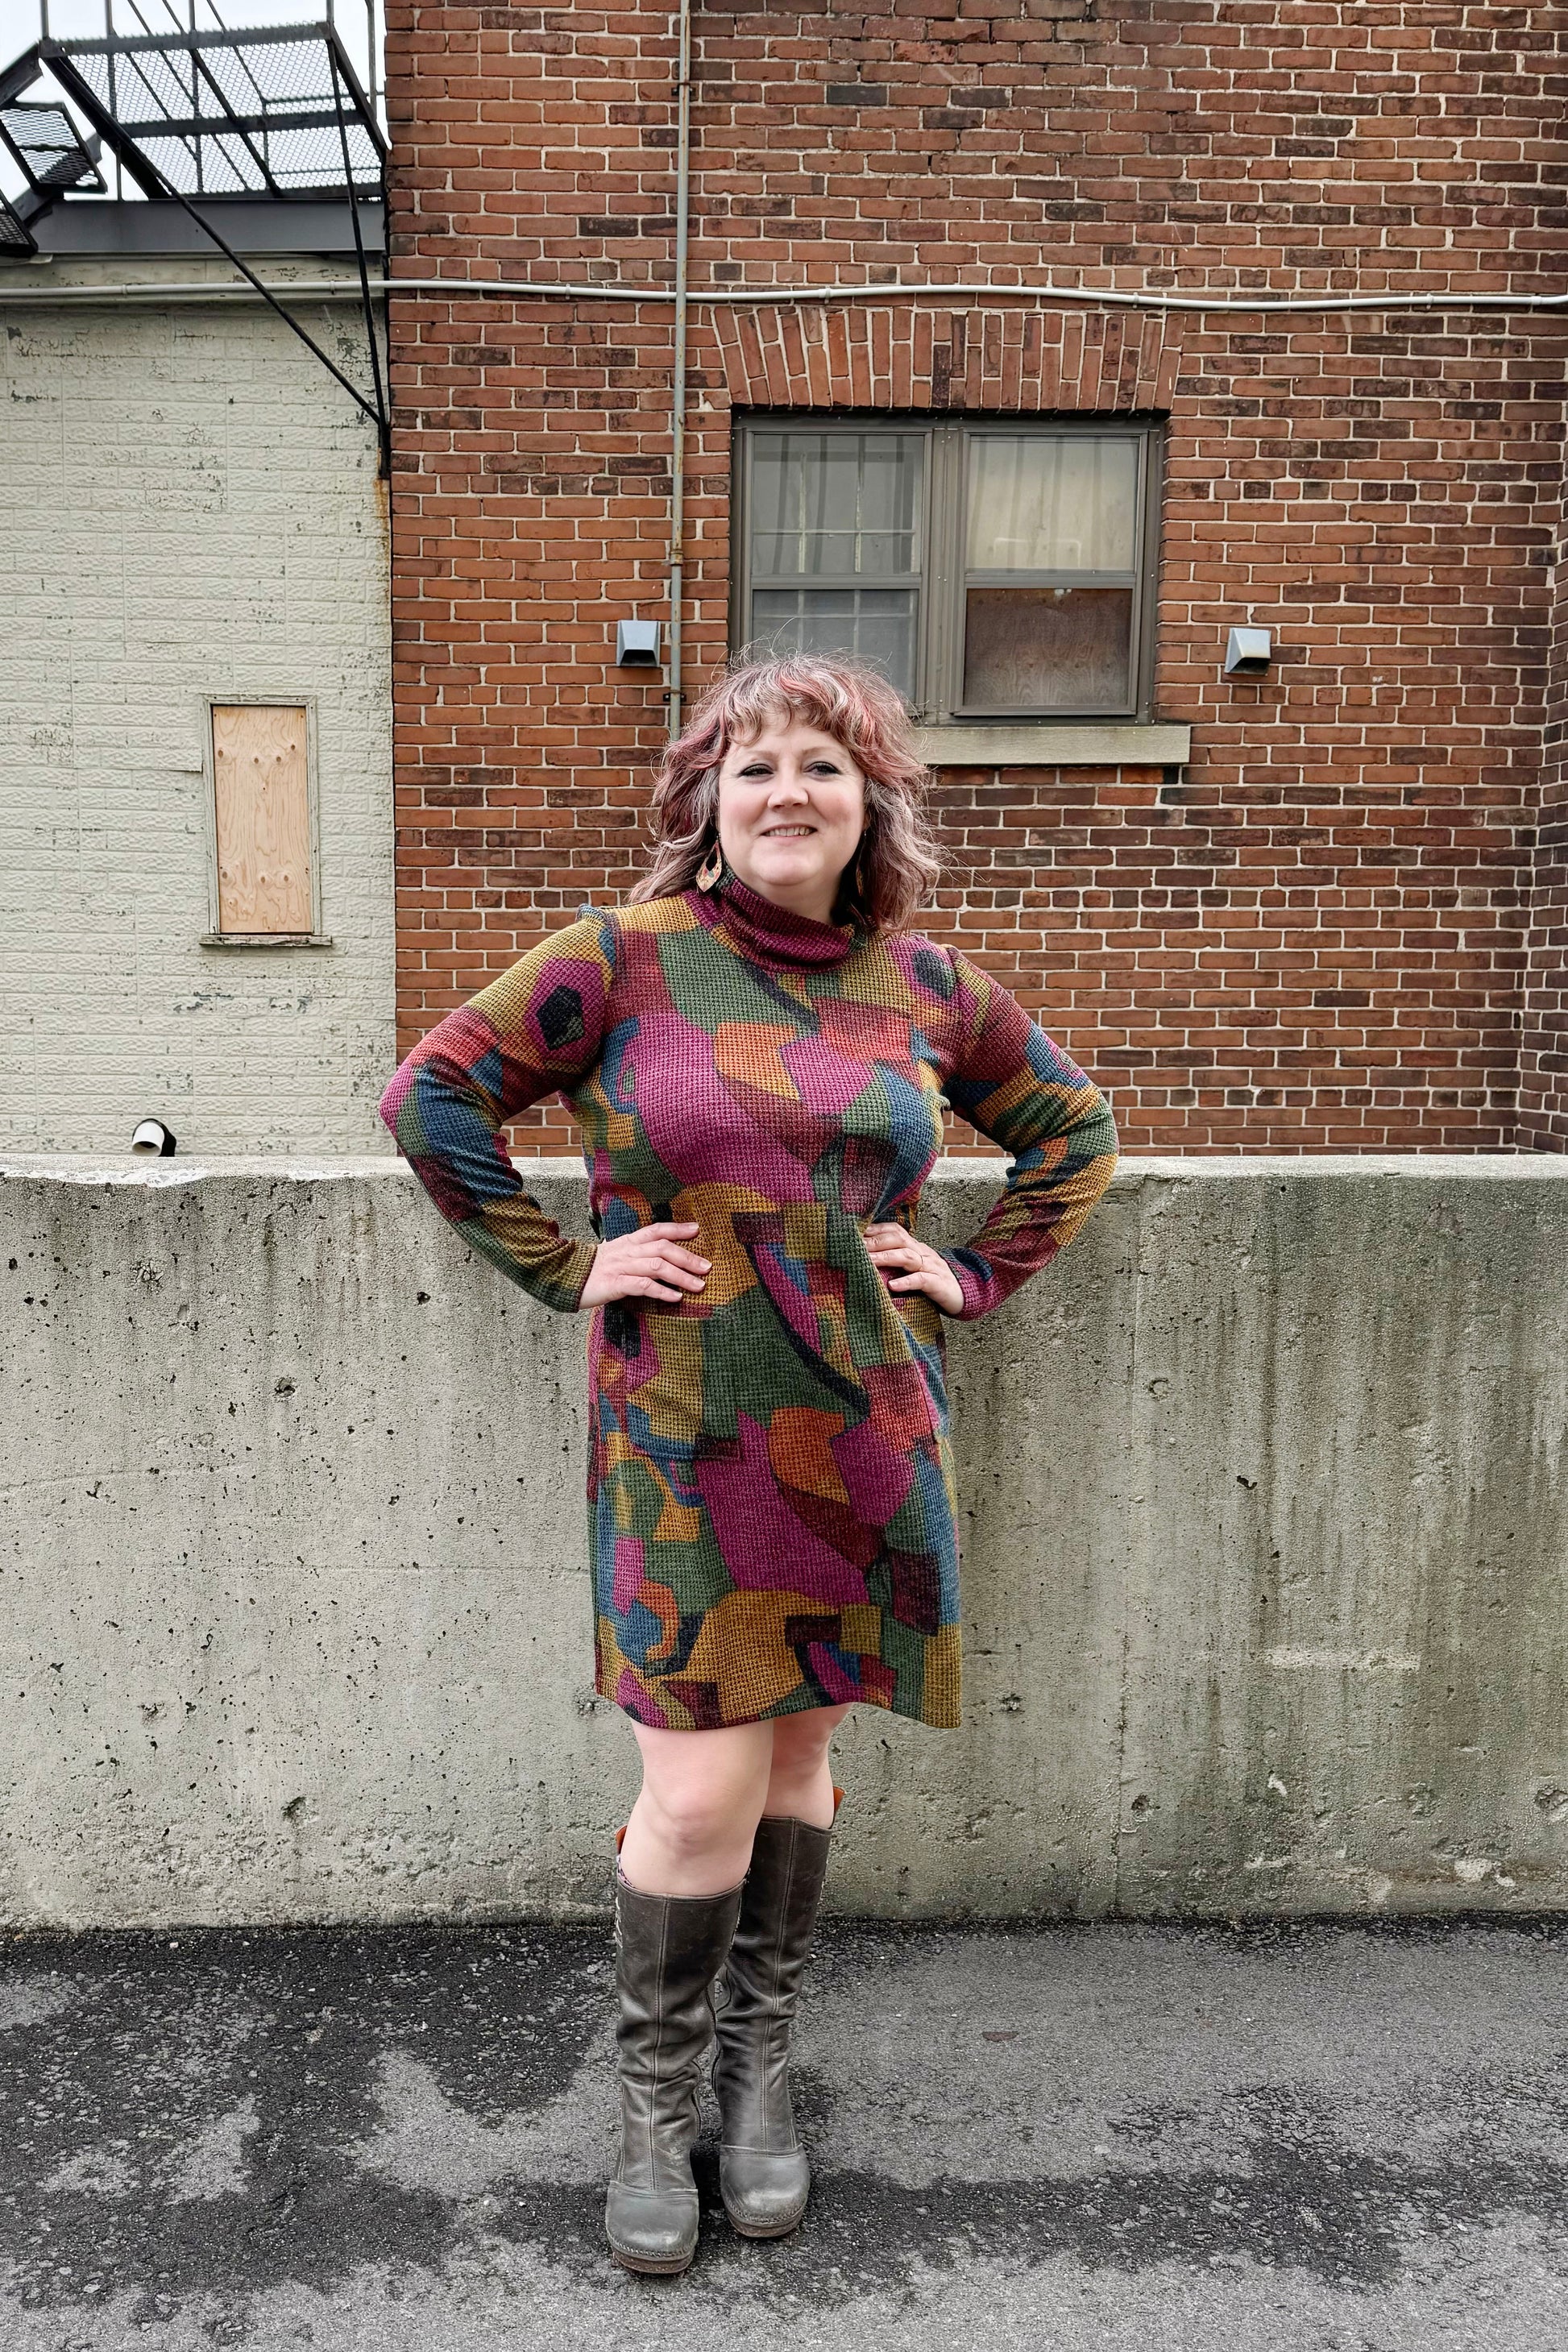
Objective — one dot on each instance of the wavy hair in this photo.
(897, 865)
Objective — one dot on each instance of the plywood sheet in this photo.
(262, 781)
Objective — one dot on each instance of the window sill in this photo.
(1056, 743)
(266, 940)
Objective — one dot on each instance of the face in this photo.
(792, 806)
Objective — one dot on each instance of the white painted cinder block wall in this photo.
(189, 511)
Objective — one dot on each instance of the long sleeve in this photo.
(529, 1034)
(1011, 1082)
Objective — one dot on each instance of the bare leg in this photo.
(692, 1829)
(800, 1786)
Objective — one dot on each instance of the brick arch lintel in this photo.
(915, 356)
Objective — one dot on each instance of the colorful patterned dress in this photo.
(770, 1484)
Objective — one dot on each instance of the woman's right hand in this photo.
(644, 1264)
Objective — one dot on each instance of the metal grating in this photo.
(273, 110)
(261, 112)
(42, 138)
(14, 235)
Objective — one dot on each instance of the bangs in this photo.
(853, 706)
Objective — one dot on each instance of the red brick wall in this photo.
(1317, 936)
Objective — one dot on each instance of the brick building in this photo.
(1319, 908)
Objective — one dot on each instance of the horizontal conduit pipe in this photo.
(797, 297)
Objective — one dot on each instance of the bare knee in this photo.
(693, 1817)
(702, 1790)
(801, 1743)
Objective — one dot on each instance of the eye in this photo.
(755, 768)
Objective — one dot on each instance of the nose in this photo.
(787, 790)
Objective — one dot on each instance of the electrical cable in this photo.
(807, 296)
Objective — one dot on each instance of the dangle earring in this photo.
(712, 866)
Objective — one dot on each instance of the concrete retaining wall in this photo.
(1263, 1511)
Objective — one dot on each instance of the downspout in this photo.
(677, 392)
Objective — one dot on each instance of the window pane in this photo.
(1048, 649)
(1039, 503)
(843, 505)
(875, 624)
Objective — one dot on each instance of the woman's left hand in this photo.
(908, 1264)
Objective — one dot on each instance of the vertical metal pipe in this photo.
(678, 393)
(108, 34)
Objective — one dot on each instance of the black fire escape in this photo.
(273, 114)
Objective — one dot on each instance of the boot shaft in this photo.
(764, 2174)
(777, 1921)
(669, 1950)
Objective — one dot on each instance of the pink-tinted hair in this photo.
(898, 866)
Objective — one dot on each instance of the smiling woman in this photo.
(761, 1052)
(791, 813)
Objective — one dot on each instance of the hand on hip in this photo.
(652, 1263)
(907, 1264)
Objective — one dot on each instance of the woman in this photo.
(760, 1054)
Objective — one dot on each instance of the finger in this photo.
(645, 1287)
(652, 1253)
(657, 1237)
(667, 1254)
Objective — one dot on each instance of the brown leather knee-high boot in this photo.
(764, 2177)
(668, 1950)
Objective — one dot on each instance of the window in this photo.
(992, 570)
(263, 822)
(838, 543)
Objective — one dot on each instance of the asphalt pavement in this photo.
(1136, 2138)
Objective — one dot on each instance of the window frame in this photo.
(937, 698)
(214, 936)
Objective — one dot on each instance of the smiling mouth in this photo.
(788, 831)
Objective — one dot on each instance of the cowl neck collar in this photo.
(769, 933)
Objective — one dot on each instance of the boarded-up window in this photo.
(262, 783)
